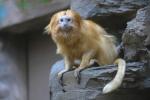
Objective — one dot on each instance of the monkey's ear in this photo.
(47, 29)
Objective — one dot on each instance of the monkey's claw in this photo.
(77, 75)
(60, 78)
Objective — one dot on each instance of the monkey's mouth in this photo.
(66, 28)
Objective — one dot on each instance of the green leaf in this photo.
(45, 1)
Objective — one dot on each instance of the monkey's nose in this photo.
(65, 25)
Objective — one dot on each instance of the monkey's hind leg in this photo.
(85, 62)
(68, 66)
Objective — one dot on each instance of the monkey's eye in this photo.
(69, 19)
(61, 20)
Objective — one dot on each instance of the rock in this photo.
(136, 38)
(93, 80)
(112, 14)
(88, 8)
(21, 16)
(4, 91)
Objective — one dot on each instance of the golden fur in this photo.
(84, 41)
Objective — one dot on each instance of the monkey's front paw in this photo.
(77, 75)
(60, 78)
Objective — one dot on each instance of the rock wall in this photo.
(111, 14)
(13, 72)
(19, 18)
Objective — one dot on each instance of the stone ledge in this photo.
(93, 80)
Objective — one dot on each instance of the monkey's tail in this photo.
(116, 82)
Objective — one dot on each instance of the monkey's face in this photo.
(64, 22)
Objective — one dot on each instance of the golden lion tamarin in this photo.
(76, 38)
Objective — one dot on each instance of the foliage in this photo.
(26, 4)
